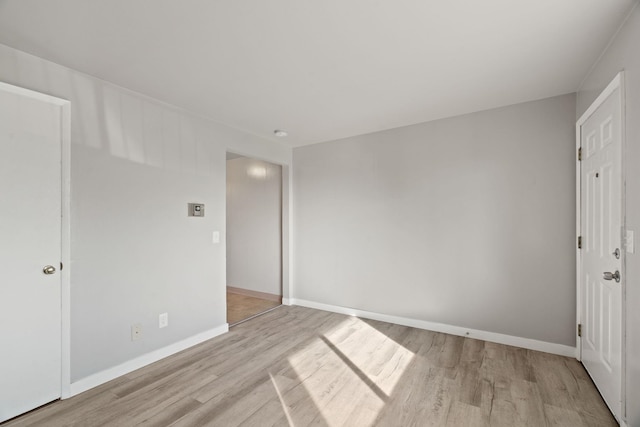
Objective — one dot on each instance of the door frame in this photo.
(286, 215)
(65, 238)
(616, 83)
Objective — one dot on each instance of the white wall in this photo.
(467, 221)
(135, 164)
(624, 54)
(254, 232)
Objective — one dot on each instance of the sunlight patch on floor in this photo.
(285, 407)
(378, 356)
(352, 364)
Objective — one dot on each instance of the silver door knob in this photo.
(49, 269)
(607, 275)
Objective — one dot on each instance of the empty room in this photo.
(330, 213)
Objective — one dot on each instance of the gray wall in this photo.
(254, 232)
(624, 54)
(468, 221)
(135, 164)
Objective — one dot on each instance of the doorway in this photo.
(601, 253)
(253, 238)
(34, 298)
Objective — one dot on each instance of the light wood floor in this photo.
(241, 307)
(298, 367)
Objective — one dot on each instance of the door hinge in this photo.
(579, 242)
(580, 154)
(579, 329)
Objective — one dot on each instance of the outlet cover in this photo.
(136, 331)
(163, 320)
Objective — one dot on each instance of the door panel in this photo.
(30, 230)
(601, 219)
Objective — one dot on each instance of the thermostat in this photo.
(196, 209)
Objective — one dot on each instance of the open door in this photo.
(601, 273)
(30, 249)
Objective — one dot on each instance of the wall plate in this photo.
(196, 209)
(628, 242)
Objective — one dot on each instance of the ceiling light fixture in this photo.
(280, 133)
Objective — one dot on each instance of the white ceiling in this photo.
(323, 69)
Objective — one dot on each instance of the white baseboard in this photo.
(531, 344)
(287, 301)
(146, 359)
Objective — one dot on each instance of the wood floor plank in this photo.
(241, 307)
(304, 367)
(461, 414)
(64, 412)
(171, 413)
(561, 417)
(529, 404)
(503, 414)
(269, 415)
(247, 405)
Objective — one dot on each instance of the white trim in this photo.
(141, 361)
(623, 265)
(528, 343)
(287, 301)
(578, 354)
(287, 231)
(616, 83)
(611, 87)
(65, 231)
(65, 273)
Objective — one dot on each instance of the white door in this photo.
(30, 236)
(601, 216)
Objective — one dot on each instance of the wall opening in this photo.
(254, 237)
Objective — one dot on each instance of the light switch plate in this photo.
(163, 320)
(216, 237)
(628, 242)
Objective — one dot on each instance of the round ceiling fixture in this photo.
(280, 133)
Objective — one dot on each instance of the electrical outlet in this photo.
(136, 331)
(163, 320)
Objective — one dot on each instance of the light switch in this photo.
(163, 320)
(628, 242)
(216, 237)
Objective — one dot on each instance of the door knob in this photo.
(607, 275)
(49, 269)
